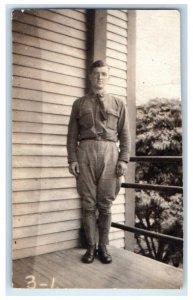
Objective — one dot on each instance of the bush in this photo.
(159, 133)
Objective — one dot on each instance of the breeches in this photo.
(97, 182)
(98, 185)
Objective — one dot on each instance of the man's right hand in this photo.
(74, 168)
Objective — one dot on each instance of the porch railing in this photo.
(177, 189)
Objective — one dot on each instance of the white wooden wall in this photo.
(49, 72)
(116, 57)
(49, 63)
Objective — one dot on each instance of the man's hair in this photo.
(97, 64)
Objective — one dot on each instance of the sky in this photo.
(157, 55)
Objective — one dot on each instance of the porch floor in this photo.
(64, 269)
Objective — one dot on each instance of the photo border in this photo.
(183, 8)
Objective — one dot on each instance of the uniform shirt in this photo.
(89, 120)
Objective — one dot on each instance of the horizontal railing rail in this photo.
(149, 233)
(178, 189)
(168, 159)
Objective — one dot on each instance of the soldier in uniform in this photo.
(98, 145)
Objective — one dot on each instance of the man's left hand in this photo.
(121, 168)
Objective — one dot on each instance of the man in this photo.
(98, 121)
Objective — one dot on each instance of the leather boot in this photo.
(104, 255)
(104, 224)
(89, 223)
(89, 256)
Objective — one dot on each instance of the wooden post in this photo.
(96, 37)
(97, 48)
(100, 34)
(131, 104)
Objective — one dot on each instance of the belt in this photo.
(97, 138)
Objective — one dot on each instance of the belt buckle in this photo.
(98, 138)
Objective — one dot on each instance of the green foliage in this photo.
(159, 128)
(159, 133)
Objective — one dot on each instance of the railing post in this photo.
(131, 104)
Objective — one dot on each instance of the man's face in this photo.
(99, 77)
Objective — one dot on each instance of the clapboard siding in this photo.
(33, 251)
(116, 56)
(48, 45)
(45, 55)
(25, 116)
(44, 184)
(46, 217)
(118, 38)
(48, 21)
(39, 128)
(57, 18)
(47, 35)
(57, 205)
(115, 29)
(46, 195)
(41, 249)
(50, 87)
(118, 243)
(23, 149)
(41, 106)
(116, 52)
(45, 229)
(39, 139)
(73, 14)
(32, 73)
(54, 217)
(49, 72)
(121, 14)
(39, 161)
(24, 173)
(49, 228)
(61, 65)
(45, 239)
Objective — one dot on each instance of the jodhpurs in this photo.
(98, 185)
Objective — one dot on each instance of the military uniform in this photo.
(97, 124)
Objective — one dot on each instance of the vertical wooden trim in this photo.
(131, 104)
(100, 34)
(96, 37)
(90, 20)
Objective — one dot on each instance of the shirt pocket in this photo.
(112, 119)
(86, 119)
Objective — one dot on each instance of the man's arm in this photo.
(124, 135)
(72, 140)
(125, 142)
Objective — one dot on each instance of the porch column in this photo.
(131, 104)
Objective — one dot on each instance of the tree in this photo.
(159, 133)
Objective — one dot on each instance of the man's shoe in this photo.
(103, 254)
(88, 257)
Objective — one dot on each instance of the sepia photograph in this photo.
(97, 162)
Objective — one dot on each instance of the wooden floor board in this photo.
(64, 269)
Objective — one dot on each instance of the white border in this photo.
(5, 165)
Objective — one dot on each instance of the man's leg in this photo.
(104, 224)
(87, 189)
(107, 190)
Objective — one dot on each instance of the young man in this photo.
(98, 121)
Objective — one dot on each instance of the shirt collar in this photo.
(102, 94)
